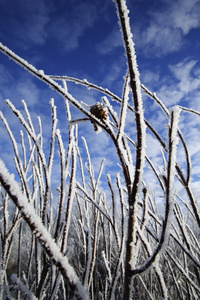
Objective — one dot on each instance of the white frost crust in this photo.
(175, 112)
(23, 288)
(41, 232)
(131, 46)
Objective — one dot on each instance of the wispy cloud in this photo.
(183, 72)
(19, 88)
(71, 25)
(184, 84)
(24, 22)
(164, 32)
(5, 77)
(38, 22)
(184, 15)
(112, 41)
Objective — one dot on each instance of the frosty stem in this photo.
(133, 187)
(53, 251)
(114, 245)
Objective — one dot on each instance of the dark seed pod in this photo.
(99, 112)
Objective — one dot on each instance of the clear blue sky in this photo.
(82, 39)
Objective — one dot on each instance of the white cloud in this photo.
(183, 73)
(33, 23)
(20, 88)
(153, 147)
(149, 77)
(111, 42)
(157, 40)
(69, 27)
(185, 15)
(113, 74)
(167, 26)
(24, 22)
(5, 75)
(185, 85)
(29, 91)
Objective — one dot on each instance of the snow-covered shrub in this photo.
(84, 241)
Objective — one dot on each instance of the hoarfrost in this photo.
(35, 221)
(22, 287)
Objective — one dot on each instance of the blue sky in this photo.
(82, 39)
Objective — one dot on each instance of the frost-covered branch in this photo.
(22, 287)
(135, 87)
(173, 140)
(91, 236)
(36, 225)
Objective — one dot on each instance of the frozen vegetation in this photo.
(81, 242)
